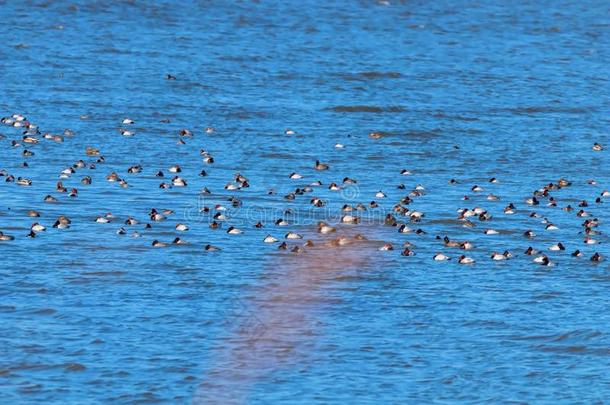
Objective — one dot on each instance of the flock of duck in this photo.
(402, 218)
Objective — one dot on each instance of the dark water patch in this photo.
(574, 349)
(105, 273)
(544, 110)
(243, 114)
(578, 335)
(371, 75)
(365, 109)
(453, 117)
(243, 58)
(43, 311)
(28, 388)
(74, 367)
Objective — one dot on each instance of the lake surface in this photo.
(461, 90)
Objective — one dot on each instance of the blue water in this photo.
(461, 90)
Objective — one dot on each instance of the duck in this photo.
(340, 241)
(509, 209)
(211, 248)
(178, 181)
(321, 166)
(597, 147)
(576, 253)
(530, 251)
(466, 245)
(234, 231)
(407, 252)
(23, 181)
(33, 213)
(557, 246)
(121, 231)
(324, 228)
(380, 194)
(5, 238)
(270, 239)
(465, 260)
(386, 246)
(596, 257)
(131, 221)
(158, 244)
(174, 169)
(349, 219)
(491, 232)
(102, 220)
(134, 169)
(440, 257)
(36, 227)
(126, 132)
(127, 121)
(293, 235)
(403, 228)
(178, 241)
(497, 256)
(529, 234)
(449, 243)
(542, 259)
(156, 216)
(295, 176)
(50, 199)
(62, 223)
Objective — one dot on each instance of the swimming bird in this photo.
(321, 166)
(497, 256)
(465, 260)
(234, 231)
(557, 246)
(324, 228)
(36, 227)
(440, 257)
(4, 237)
(270, 239)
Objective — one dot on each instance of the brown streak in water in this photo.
(280, 319)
